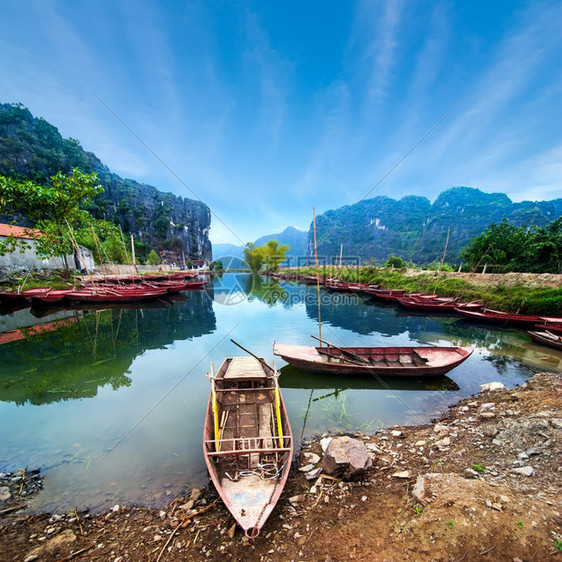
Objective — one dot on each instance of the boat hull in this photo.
(249, 462)
(383, 361)
(552, 340)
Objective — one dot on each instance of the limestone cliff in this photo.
(31, 148)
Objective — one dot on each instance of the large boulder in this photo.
(346, 458)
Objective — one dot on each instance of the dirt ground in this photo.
(553, 280)
(481, 483)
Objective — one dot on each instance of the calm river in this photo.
(110, 403)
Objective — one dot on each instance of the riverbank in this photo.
(482, 482)
(525, 293)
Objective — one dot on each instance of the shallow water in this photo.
(110, 403)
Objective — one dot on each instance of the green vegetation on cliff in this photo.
(33, 149)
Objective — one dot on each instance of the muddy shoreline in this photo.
(483, 481)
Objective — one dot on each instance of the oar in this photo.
(350, 353)
(263, 361)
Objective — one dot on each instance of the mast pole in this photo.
(133, 249)
(317, 275)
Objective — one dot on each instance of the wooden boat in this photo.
(13, 297)
(56, 296)
(428, 305)
(547, 338)
(552, 324)
(113, 296)
(498, 317)
(247, 440)
(386, 294)
(383, 361)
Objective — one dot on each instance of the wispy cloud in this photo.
(272, 75)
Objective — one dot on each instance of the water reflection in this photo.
(295, 378)
(90, 349)
(110, 403)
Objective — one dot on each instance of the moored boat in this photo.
(247, 440)
(381, 361)
(430, 305)
(498, 317)
(114, 296)
(547, 338)
(22, 296)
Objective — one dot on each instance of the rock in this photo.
(187, 506)
(195, 494)
(395, 433)
(440, 428)
(421, 490)
(310, 458)
(525, 470)
(313, 474)
(492, 386)
(487, 406)
(443, 443)
(324, 442)
(420, 443)
(402, 474)
(5, 493)
(115, 508)
(470, 473)
(66, 537)
(306, 468)
(373, 448)
(346, 458)
(231, 531)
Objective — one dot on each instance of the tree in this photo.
(532, 249)
(395, 261)
(254, 256)
(274, 254)
(56, 209)
(153, 258)
(270, 254)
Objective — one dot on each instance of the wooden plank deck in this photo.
(243, 368)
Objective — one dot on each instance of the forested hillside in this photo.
(416, 230)
(31, 148)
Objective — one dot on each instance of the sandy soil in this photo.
(481, 483)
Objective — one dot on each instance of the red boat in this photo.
(194, 285)
(14, 297)
(552, 324)
(386, 294)
(336, 285)
(547, 338)
(380, 361)
(498, 317)
(437, 306)
(56, 296)
(113, 296)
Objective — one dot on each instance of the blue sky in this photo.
(266, 109)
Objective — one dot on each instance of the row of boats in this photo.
(546, 330)
(106, 290)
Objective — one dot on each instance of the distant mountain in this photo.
(296, 239)
(227, 251)
(416, 230)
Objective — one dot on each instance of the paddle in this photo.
(354, 356)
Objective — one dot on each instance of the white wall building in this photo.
(25, 258)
